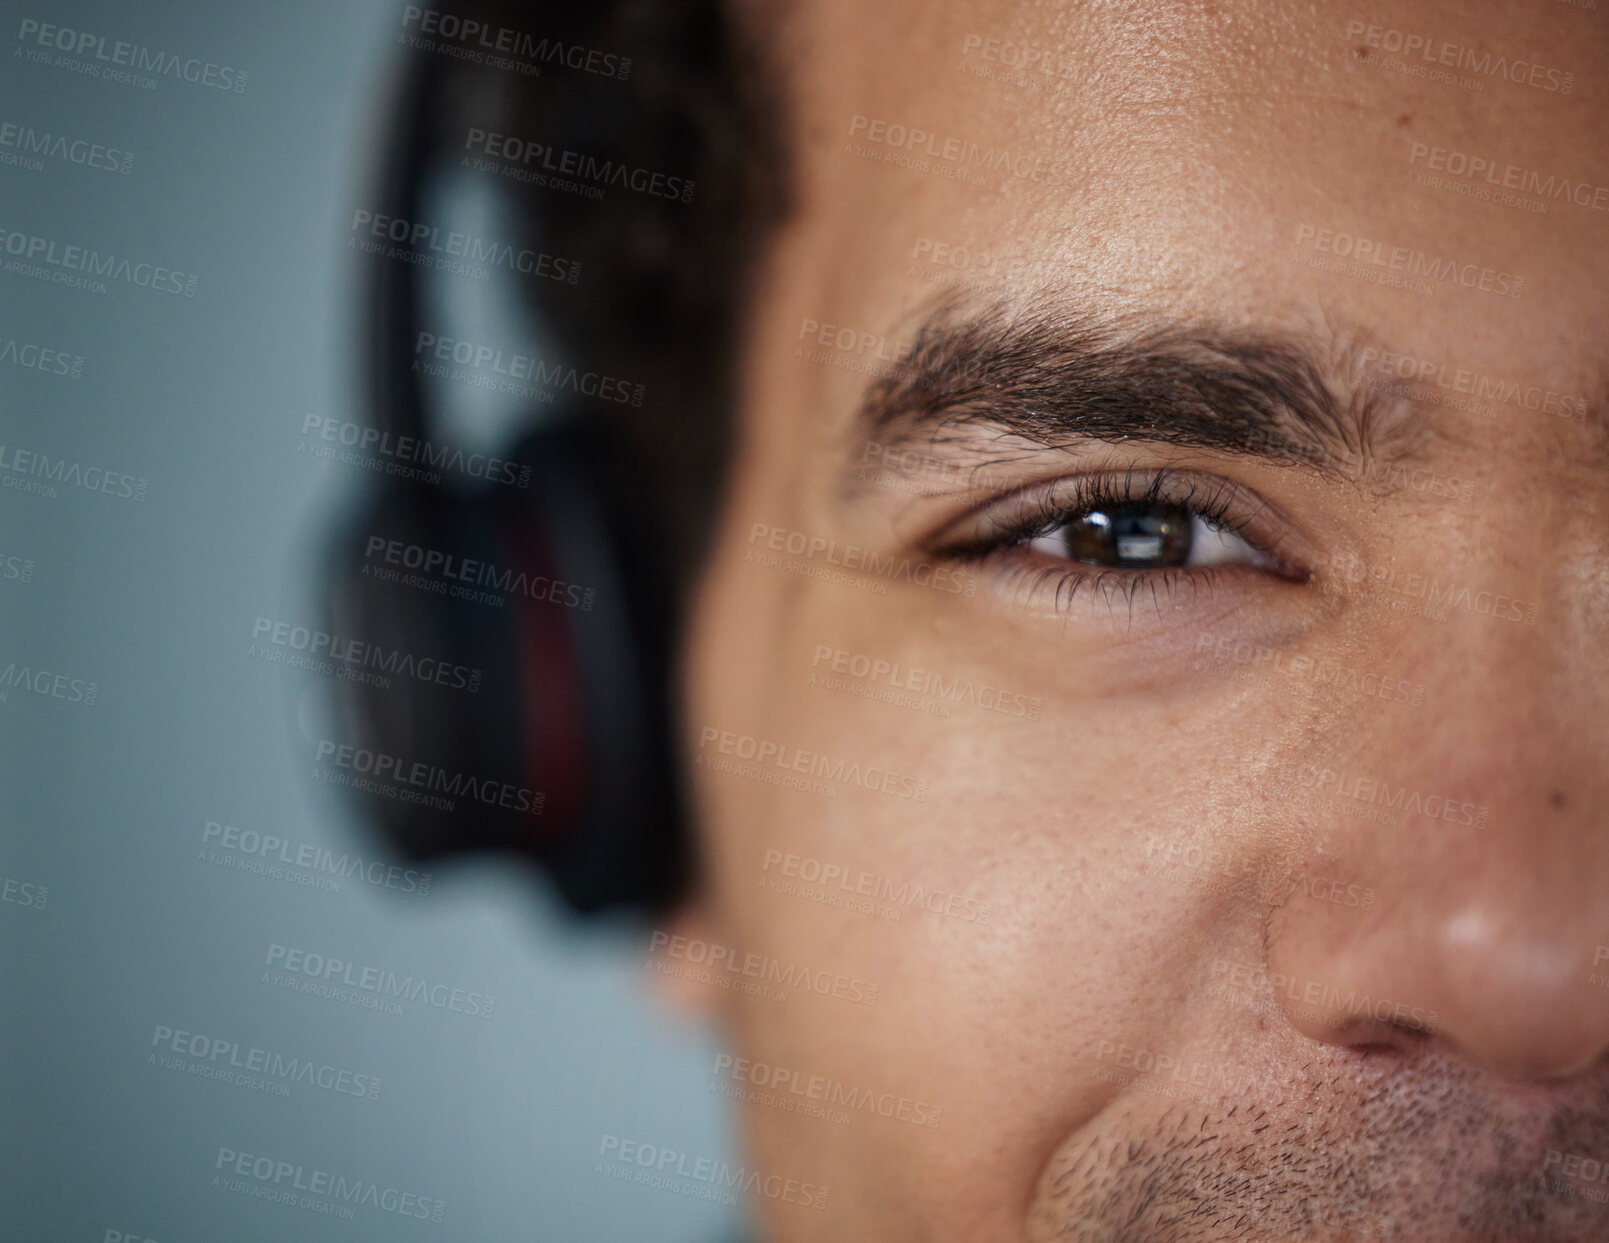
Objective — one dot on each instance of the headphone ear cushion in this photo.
(544, 726)
(600, 535)
(438, 696)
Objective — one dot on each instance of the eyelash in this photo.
(1216, 501)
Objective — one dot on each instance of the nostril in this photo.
(1371, 1036)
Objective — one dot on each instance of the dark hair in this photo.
(667, 282)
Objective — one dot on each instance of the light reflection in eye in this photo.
(1143, 534)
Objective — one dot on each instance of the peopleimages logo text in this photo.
(37, 467)
(726, 960)
(517, 155)
(29, 141)
(959, 152)
(1416, 263)
(387, 983)
(132, 56)
(423, 238)
(791, 759)
(516, 43)
(290, 1178)
(1462, 56)
(40, 358)
(665, 1162)
(395, 770)
(445, 567)
(29, 248)
(314, 858)
(347, 653)
(175, 1044)
(430, 349)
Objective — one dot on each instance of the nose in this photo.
(1481, 826)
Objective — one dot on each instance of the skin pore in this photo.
(1293, 857)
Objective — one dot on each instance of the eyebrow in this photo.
(1054, 375)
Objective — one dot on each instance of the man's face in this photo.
(1149, 740)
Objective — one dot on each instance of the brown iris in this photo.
(1140, 536)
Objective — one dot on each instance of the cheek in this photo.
(1003, 921)
(866, 903)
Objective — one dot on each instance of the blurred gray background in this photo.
(122, 916)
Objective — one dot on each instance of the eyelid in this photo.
(1011, 519)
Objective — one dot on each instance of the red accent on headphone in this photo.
(544, 636)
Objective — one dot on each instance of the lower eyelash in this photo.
(1112, 586)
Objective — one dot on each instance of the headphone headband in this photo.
(570, 728)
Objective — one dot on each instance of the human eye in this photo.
(1124, 531)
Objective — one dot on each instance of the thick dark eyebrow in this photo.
(1055, 376)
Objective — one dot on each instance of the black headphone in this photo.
(573, 704)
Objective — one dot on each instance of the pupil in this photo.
(1140, 536)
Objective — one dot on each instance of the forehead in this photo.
(1435, 174)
